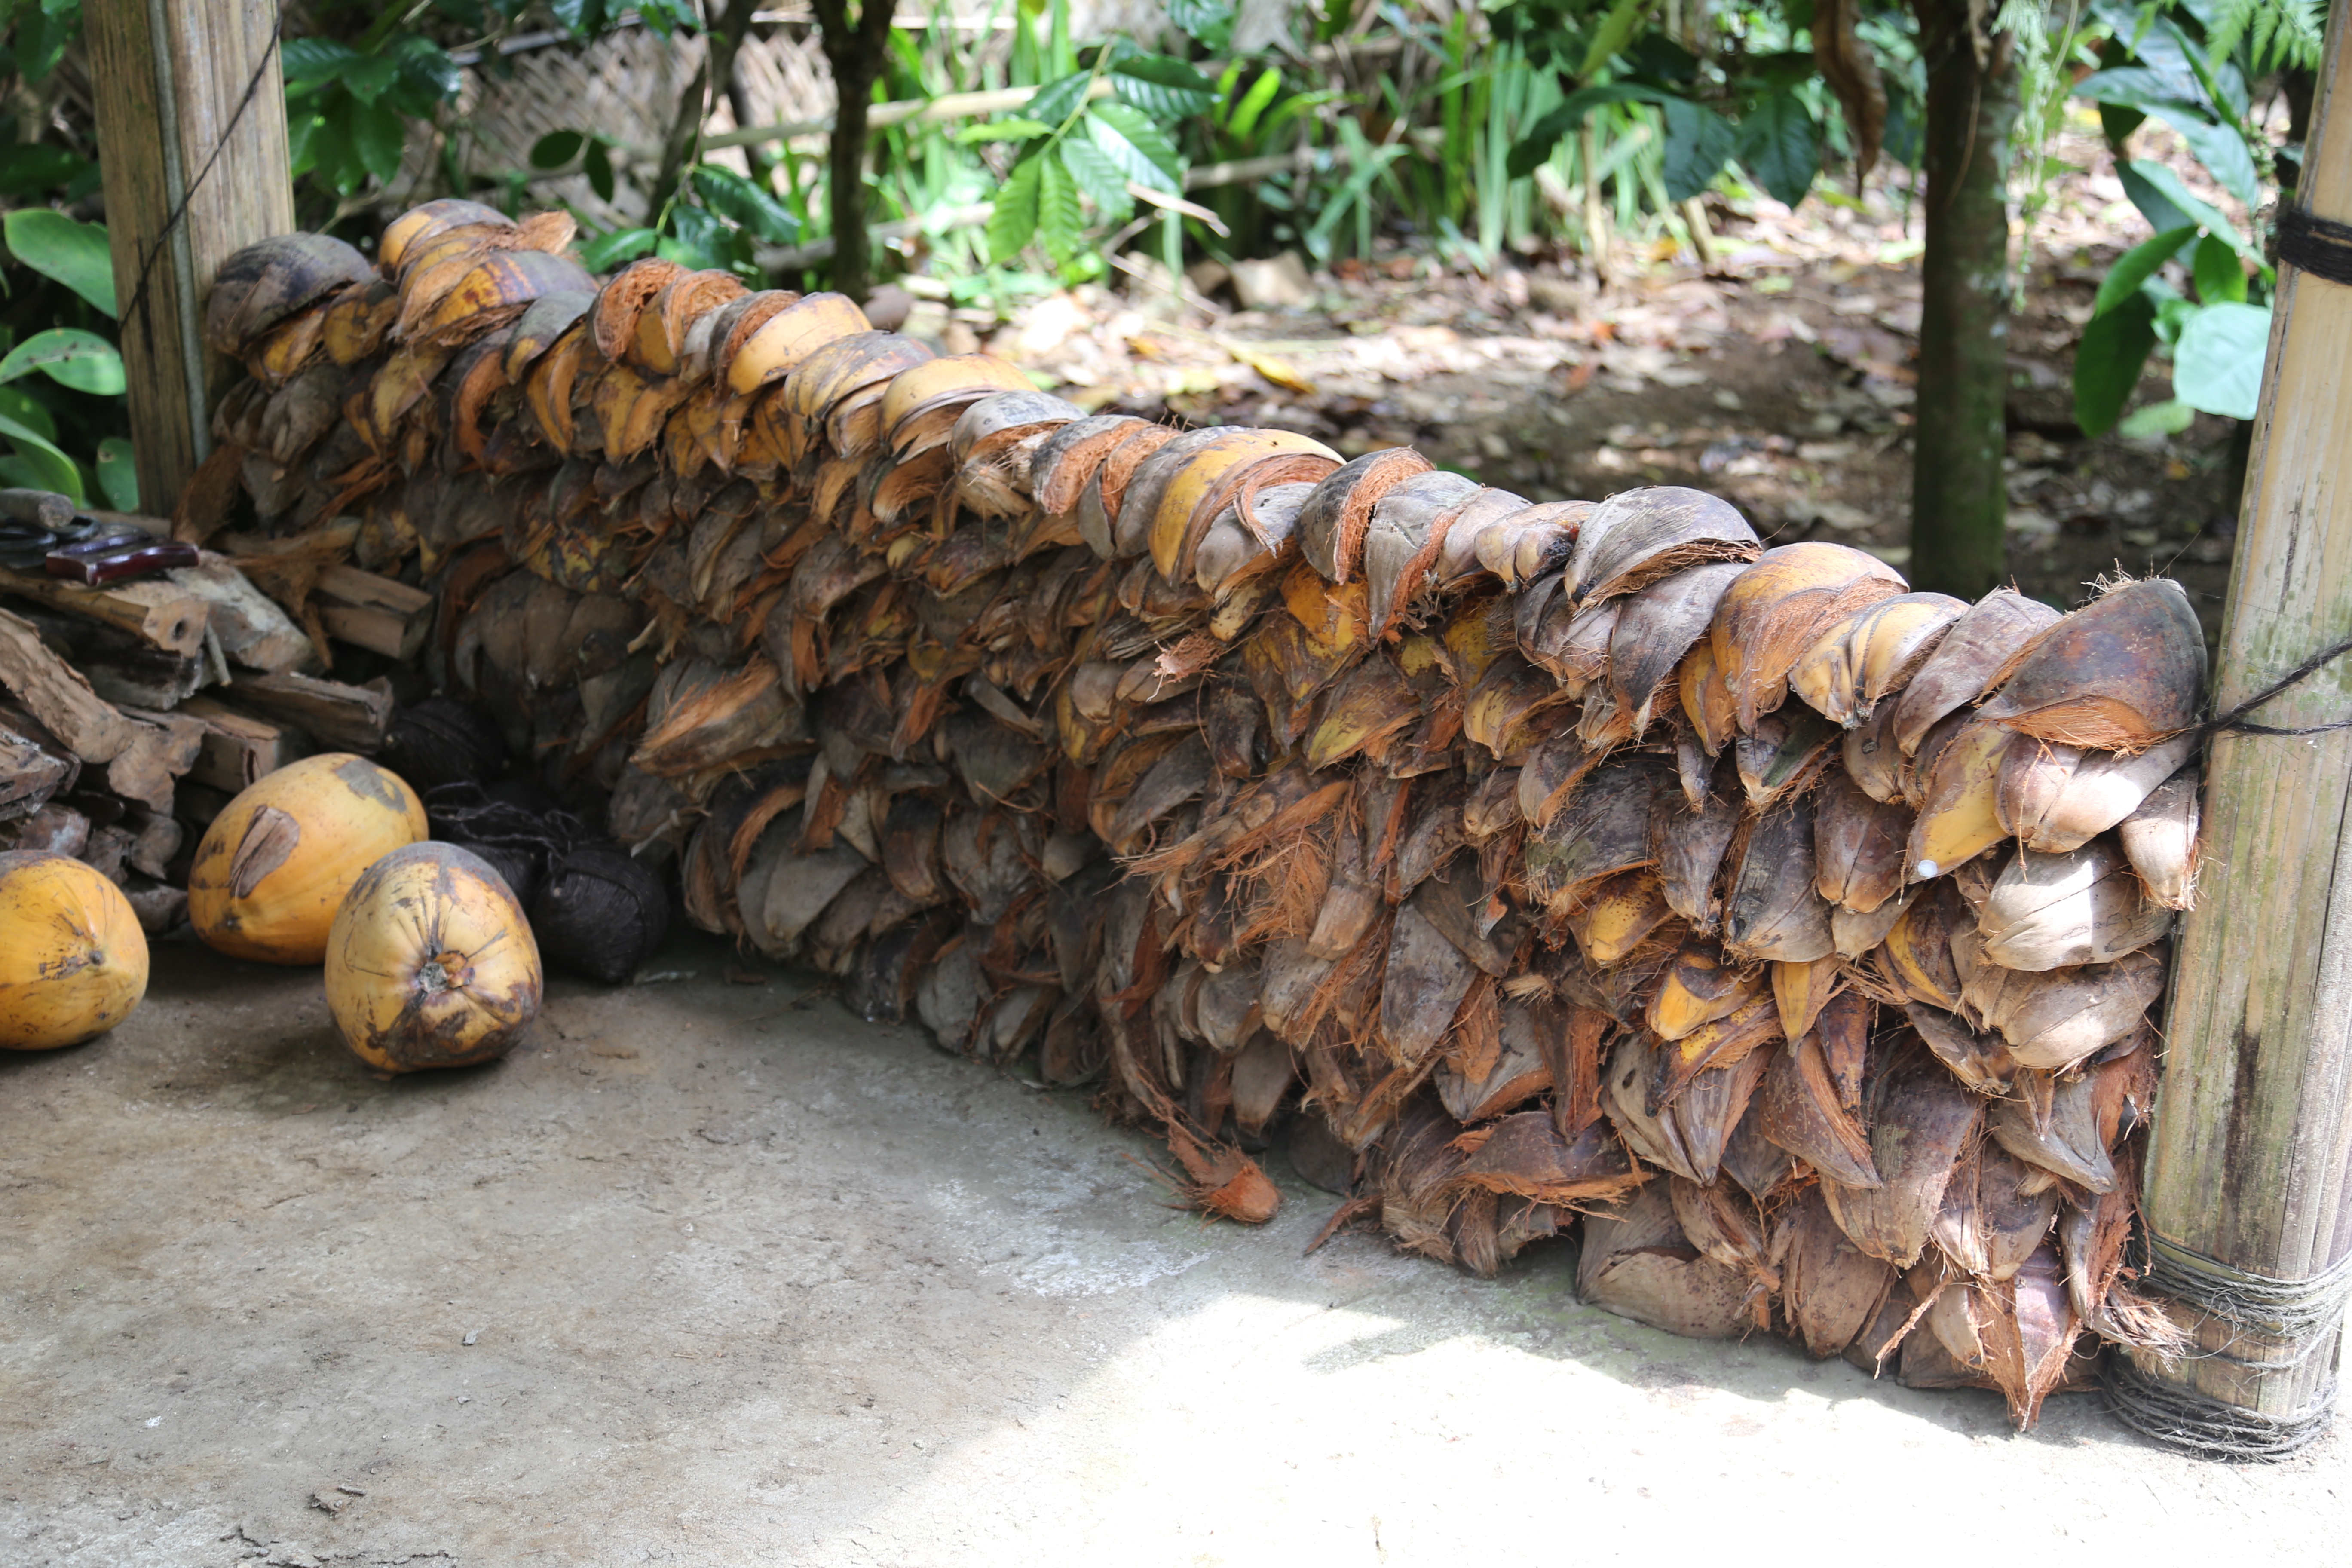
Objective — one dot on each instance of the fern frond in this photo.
(2277, 34)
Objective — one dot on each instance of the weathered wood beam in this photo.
(2247, 1173)
(192, 113)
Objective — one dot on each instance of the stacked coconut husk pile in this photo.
(1514, 862)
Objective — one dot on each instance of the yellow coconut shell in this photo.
(275, 865)
(431, 963)
(73, 962)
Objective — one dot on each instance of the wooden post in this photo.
(191, 138)
(2250, 1226)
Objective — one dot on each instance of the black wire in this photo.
(2235, 722)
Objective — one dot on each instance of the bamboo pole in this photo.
(191, 138)
(2245, 1195)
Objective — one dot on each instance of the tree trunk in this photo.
(1959, 508)
(853, 52)
(714, 78)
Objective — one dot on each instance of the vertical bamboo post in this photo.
(192, 140)
(2246, 1202)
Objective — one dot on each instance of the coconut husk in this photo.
(1654, 631)
(1871, 654)
(1830, 1289)
(1854, 935)
(1572, 646)
(2057, 798)
(2049, 911)
(1068, 459)
(1965, 662)
(1524, 1154)
(1960, 818)
(1858, 844)
(1706, 699)
(2122, 673)
(1919, 954)
(1802, 990)
(1332, 525)
(1779, 608)
(1637, 1264)
(1457, 551)
(262, 285)
(1639, 536)
(1710, 1109)
(1550, 775)
(1800, 1108)
(1996, 1213)
(1723, 1043)
(1517, 1071)
(1624, 1099)
(2159, 839)
(1722, 1221)
(1406, 535)
(427, 221)
(1699, 987)
(1521, 546)
(1770, 908)
(1617, 916)
(1692, 841)
(1603, 830)
(1784, 755)
(1979, 1059)
(1424, 982)
(1872, 760)
(1762, 1167)
(1920, 1125)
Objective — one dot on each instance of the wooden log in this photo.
(42, 509)
(122, 669)
(158, 612)
(29, 774)
(374, 613)
(163, 748)
(54, 692)
(238, 748)
(2247, 1172)
(190, 103)
(248, 623)
(342, 718)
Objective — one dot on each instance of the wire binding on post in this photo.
(2184, 1418)
(2318, 245)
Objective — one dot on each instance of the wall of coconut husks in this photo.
(1515, 865)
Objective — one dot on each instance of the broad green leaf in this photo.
(2217, 365)
(2137, 265)
(1162, 88)
(56, 471)
(556, 149)
(2220, 278)
(26, 409)
(1700, 142)
(2138, 87)
(1054, 101)
(1098, 177)
(2221, 150)
(1616, 30)
(2140, 176)
(44, 33)
(307, 62)
(427, 65)
(1779, 145)
(118, 474)
(2108, 361)
(31, 171)
(609, 251)
(1209, 21)
(732, 196)
(598, 164)
(1001, 131)
(378, 134)
(1541, 137)
(366, 78)
(1136, 145)
(1015, 218)
(1243, 120)
(1060, 226)
(2158, 419)
(83, 361)
(75, 254)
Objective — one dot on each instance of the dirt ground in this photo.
(715, 1273)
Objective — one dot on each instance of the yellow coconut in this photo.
(431, 963)
(274, 866)
(73, 962)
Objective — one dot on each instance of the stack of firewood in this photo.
(131, 711)
(1511, 862)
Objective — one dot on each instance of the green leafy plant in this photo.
(2164, 64)
(74, 255)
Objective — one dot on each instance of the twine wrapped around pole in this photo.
(2249, 1219)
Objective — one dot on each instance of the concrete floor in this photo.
(714, 1274)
